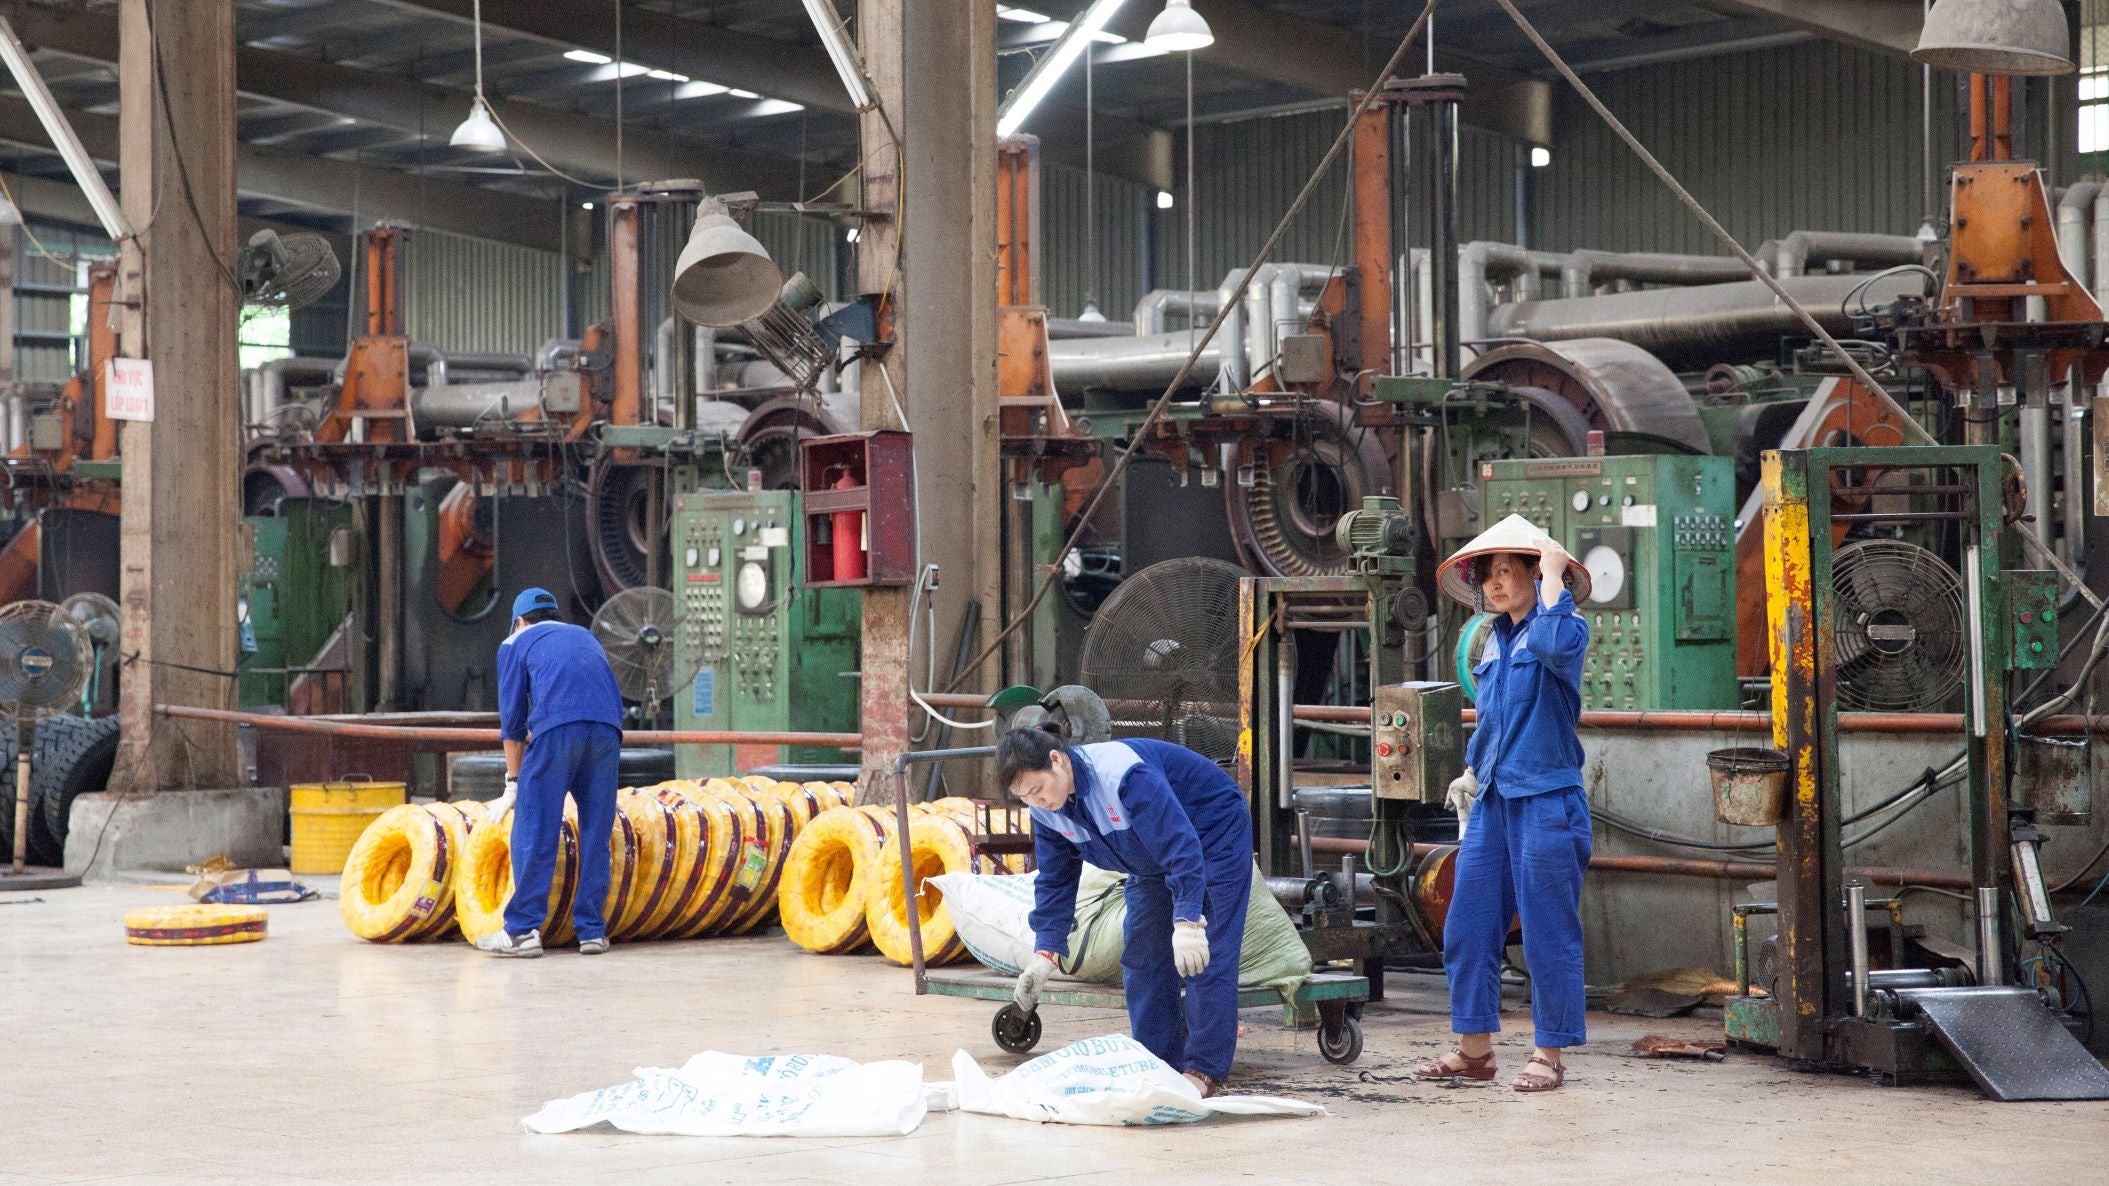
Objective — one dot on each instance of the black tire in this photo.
(482, 776)
(1015, 1030)
(1341, 1043)
(7, 798)
(73, 757)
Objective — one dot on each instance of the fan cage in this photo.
(644, 672)
(1901, 634)
(1163, 653)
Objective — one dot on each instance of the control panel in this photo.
(2032, 619)
(1657, 536)
(1416, 740)
(760, 651)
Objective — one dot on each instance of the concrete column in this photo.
(932, 65)
(180, 309)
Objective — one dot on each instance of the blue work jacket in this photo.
(1530, 702)
(1144, 808)
(550, 674)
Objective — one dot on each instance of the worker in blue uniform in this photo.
(1526, 817)
(1178, 827)
(560, 716)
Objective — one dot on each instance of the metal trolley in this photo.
(1331, 1000)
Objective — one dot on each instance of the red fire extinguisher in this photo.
(848, 530)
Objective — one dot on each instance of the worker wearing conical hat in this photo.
(1526, 842)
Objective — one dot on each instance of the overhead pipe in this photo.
(1482, 264)
(1585, 269)
(2073, 436)
(1274, 295)
(1699, 325)
(1798, 249)
(1160, 304)
(2075, 214)
(1230, 334)
(1134, 363)
(430, 735)
(1693, 867)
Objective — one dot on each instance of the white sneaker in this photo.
(593, 946)
(498, 943)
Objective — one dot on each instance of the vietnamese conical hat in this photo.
(1513, 534)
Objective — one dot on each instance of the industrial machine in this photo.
(765, 652)
(45, 661)
(1927, 1014)
(1350, 627)
(296, 597)
(1657, 535)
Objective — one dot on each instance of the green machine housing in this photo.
(1657, 534)
(758, 650)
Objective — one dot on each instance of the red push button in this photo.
(1383, 749)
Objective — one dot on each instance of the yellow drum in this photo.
(328, 818)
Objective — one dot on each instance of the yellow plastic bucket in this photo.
(328, 818)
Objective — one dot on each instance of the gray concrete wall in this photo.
(1637, 923)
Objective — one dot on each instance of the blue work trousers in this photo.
(1200, 1033)
(581, 758)
(1522, 857)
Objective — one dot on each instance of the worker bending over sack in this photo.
(560, 715)
(1178, 827)
(1526, 842)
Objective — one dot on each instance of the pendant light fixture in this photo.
(479, 132)
(1178, 29)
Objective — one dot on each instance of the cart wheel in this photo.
(1018, 1031)
(1341, 1043)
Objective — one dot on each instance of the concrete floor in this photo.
(312, 1057)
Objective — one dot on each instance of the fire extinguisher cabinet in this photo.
(859, 505)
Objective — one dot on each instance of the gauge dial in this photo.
(1607, 573)
(753, 585)
(1580, 501)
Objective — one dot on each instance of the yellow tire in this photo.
(805, 802)
(737, 836)
(399, 876)
(686, 886)
(652, 872)
(936, 845)
(623, 845)
(761, 868)
(827, 879)
(483, 882)
(195, 926)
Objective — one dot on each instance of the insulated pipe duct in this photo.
(1237, 369)
(1160, 304)
(2035, 467)
(1274, 294)
(1586, 269)
(2075, 212)
(1132, 364)
(274, 377)
(2101, 246)
(2074, 426)
(1481, 265)
(1797, 250)
(665, 345)
(1062, 328)
(1698, 326)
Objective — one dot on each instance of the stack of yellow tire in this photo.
(686, 859)
(842, 888)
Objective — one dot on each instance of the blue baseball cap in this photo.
(533, 599)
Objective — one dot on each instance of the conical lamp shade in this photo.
(478, 131)
(1996, 37)
(1178, 29)
(724, 275)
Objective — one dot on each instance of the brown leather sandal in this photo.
(1202, 1083)
(1480, 1067)
(1533, 1081)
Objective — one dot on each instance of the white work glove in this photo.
(1190, 947)
(1464, 792)
(503, 803)
(1034, 978)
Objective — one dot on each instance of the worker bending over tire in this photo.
(560, 715)
(1178, 827)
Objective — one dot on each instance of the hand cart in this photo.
(1336, 998)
